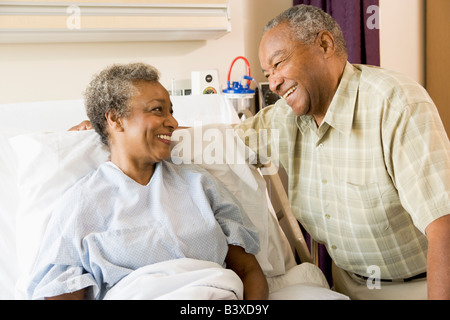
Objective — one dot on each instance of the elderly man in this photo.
(366, 153)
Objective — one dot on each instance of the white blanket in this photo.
(182, 279)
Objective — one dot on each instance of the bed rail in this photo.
(287, 220)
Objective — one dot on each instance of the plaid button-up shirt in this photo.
(372, 177)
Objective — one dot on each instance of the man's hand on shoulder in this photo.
(85, 125)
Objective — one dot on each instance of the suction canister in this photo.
(239, 95)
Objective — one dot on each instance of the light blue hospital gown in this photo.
(107, 225)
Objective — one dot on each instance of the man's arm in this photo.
(248, 269)
(438, 260)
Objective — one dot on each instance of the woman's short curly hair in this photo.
(111, 90)
(306, 22)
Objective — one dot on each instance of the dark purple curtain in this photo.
(359, 25)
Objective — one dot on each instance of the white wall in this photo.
(256, 14)
(40, 72)
(402, 37)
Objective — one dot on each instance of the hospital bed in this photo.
(40, 159)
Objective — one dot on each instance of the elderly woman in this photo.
(139, 209)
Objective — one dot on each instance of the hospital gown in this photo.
(107, 225)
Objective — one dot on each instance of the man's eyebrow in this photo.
(276, 53)
(272, 57)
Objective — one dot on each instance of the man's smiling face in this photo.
(295, 71)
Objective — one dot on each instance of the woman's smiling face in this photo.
(149, 126)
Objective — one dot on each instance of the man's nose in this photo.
(275, 83)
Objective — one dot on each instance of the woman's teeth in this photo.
(291, 91)
(163, 136)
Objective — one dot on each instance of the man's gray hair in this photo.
(111, 90)
(306, 22)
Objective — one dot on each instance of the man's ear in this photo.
(326, 41)
(114, 121)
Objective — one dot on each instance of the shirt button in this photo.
(333, 247)
(328, 216)
(324, 181)
(320, 146)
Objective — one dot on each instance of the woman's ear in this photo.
(114, 121)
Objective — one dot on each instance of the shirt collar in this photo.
(342, 108)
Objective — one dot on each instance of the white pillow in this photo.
(210, 146)
(32, 117)
(8, 206)
(17, 119)
(49, 163)
(212, 108)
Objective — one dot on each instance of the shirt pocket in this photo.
(366, 205)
